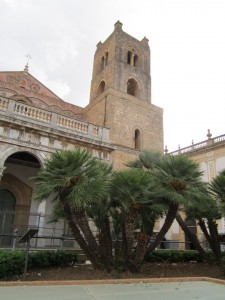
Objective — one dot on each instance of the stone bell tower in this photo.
(120, 96)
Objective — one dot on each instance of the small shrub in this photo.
(43, 259)
(12, 262)
(223, 264)
(173, 256)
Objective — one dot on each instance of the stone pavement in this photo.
(154, 289)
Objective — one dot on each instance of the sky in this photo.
(58, 39)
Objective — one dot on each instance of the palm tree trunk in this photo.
(142, 241)
(78, 236)
(120, 247)
(203, 227)
(105, 243)
(82, 221)
(170, 217)
(212, 238)
(215, 240)
(124, 240)
(193, 238)
(130, 236)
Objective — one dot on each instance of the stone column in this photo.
(2, 168)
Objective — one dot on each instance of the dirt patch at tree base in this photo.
(149, 270)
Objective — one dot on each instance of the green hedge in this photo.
(12, 262)
(173, 256)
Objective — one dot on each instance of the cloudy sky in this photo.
(186, 37)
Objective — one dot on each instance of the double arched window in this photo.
(132, 58)
(104, 60)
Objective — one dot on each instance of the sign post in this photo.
(26, 239)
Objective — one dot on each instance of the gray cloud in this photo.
(187, 40)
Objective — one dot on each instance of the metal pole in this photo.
(38, 224)
(14, 239)
(26, 259)
(62, 241)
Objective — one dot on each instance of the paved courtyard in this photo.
(132, 291)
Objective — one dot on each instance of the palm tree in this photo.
(180, 178)
(134, 191)
(192, 238)
(217, 188)
(99, 213)
(75, 180)
(217, 191)
(206, 211)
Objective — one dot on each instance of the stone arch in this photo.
(20, 165)
(137, 136)
(22, 194)
(102, 63)
(134, 55)
(7, 208)
(9, 151)
(137, 139)
(104, 60)
(12, 184)
(129, 56)
(135, 60)
(101, 88)
(22, 98)
(133, 87)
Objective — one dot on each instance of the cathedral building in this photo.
(119, 122)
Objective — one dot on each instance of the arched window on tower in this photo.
(102, 63)
(132, 87)
(106, 58)
(137, 139)
(129, 57)
(101, 88)
(135, 60)
(132, 58)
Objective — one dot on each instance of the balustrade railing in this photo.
(201, 145)
(72, 124)
(32, 112)
(19, 110)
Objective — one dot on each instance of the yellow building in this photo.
(210, 154)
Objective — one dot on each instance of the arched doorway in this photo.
(19, 168)
(23, 158)
(7, 210)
